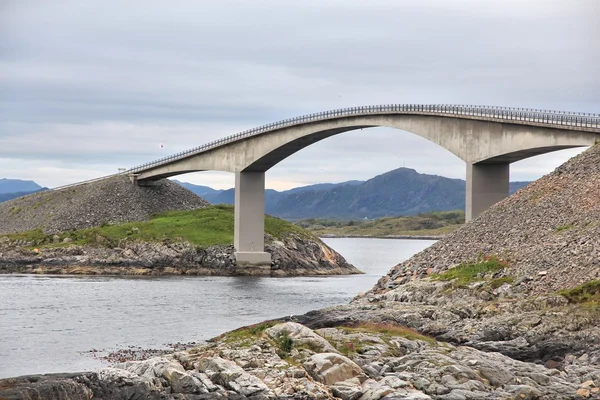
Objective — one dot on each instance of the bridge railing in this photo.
(547, 117)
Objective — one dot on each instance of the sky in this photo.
(87, 87)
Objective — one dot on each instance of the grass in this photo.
(15, 210)
(497, 282)
(203, 228)
(389, 331)
(565, 227)
(433, 224)
(467, 273)
(350, 346)
(246, 333)
(587, 293)
(35, 236)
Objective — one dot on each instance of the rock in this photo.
(347, 390)
(583, 392)
(301, 336)
(524, 392)
(228, 374)
(330, 368)
(183, 382)
(41, 387)
(120, 383)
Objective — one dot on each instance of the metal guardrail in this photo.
(550, 118)
(546, 117)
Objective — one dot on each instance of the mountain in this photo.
(402, 191)
(17, 186)
(10, 196)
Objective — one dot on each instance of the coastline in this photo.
(402, 237)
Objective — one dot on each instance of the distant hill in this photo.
(18, 186)
(402, 191)
(10, 196)
(13, 188)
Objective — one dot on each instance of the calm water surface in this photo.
(49, 324)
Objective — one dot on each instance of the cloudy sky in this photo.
(87, 87)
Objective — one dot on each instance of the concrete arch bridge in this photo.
(488, 139)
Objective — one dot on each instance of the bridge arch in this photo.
(488, 139)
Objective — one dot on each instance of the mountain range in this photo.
(402, 191)
(13, 188)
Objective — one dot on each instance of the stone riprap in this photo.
(107, 201)
(548, 232)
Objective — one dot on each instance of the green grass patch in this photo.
(35, 236)
(565, 227)
(434, 224)
(497, 282)
(467, 273)
(588, 292)
(203, 228)
(389, 331)
(15, 210)
(246, 333)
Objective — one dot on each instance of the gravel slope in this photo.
(549, 232)
(107, 201)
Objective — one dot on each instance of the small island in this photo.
(112, 227)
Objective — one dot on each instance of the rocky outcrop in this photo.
(295, 255)
(108, 201)
(290, 361)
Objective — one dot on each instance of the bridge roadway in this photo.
(487, 138)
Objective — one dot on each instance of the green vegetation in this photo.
(35, 236)
(246, 334)
(15, 210)
(588, 292)
(467, 273)
(349, 347)
(434, 223)
(565, 227)
(284, 344)
(203, 228)
(389, 331)
(497, 282)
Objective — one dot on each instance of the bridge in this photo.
(487, 138)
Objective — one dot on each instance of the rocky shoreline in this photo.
(402, 237)
(287, 360)
(506, 307)
(293, 256)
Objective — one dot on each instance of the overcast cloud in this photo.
(87, 87)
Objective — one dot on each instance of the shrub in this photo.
(285, 344)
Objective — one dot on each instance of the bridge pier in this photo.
(487, 184)
(249, 219)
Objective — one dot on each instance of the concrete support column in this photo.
(249, 219)
(487, 184)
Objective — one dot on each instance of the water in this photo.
(49, 324)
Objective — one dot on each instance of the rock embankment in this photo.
(548, 232)
(107, 201)
(290, 361)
